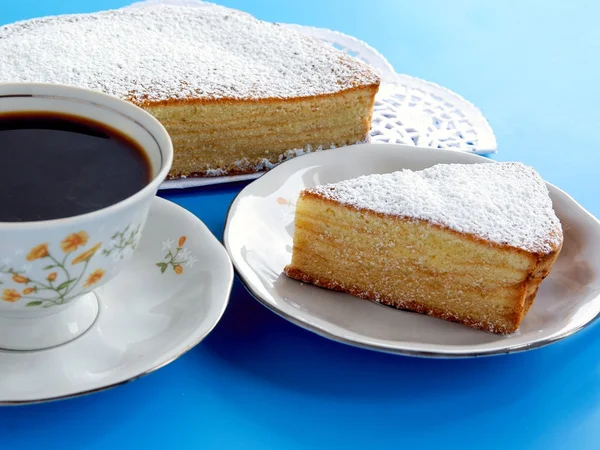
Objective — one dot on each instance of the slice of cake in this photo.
(469, 243)
(236, 94)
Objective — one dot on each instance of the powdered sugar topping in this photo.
(161, 52)
(506, 203)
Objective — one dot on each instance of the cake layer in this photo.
(414, 264)
(227, 137)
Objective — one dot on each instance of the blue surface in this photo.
(260, 382)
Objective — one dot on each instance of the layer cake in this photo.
(469, 243)
(236, 94)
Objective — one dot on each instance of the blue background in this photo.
(260, 382)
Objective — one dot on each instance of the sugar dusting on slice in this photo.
(506, 203)
(164, 52)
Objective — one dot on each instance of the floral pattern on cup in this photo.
(123, 243)
(63, 273)
(177, 257)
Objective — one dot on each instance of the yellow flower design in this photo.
(20, 279)
(73, 241)
(38, 252)
(182, 240)
(178, 269)
(94, 277)
(85, 256)
(10, 295)
(59, 280)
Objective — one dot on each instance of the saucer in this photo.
(165, 301)
(258, 236)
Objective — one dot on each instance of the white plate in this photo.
(147, 318)
(258, 237)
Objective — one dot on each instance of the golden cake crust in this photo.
(191, 100)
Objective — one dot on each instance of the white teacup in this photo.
(49, 269)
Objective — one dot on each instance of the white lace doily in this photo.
(407, 111)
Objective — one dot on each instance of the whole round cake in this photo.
(236, 94)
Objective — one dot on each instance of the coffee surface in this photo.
(55, 166)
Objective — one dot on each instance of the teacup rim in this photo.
(129, 110)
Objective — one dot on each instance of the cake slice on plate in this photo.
(469, 243)
(236, 94)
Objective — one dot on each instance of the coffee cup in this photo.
(50, 270)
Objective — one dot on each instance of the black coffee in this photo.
(54, 166)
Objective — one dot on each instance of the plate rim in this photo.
(230, 277)
(319, 330)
